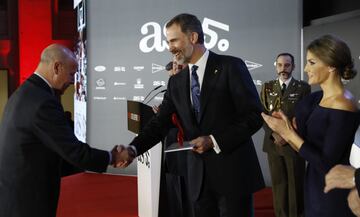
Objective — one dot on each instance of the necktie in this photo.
(283, 88)
(195, 92)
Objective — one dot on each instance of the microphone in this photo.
(154, 96)
(157, 87)
(169, 66)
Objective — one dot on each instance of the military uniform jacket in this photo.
(272, 100)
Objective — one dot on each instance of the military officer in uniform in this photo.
(287, 168)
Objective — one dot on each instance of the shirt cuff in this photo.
(216, 146)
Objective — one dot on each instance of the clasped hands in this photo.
(122, 156)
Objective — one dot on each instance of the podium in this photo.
(148, 164)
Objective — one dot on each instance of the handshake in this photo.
(122, 156)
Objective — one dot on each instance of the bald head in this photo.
(56, 52)
(57, 65)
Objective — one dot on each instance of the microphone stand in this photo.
(154, 96)
(157, 87)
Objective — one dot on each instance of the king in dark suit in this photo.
(219, 108)
(36, 138)
(287, 168)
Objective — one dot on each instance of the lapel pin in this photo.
(215, 71)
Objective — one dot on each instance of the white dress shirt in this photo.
(287, 82)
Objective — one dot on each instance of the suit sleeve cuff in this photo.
(134, 149)
(216, 146)
(110, 157)
(357, 180)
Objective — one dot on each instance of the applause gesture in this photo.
(278, 140)
(281, 124)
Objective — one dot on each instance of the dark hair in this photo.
(335, 53)
(188, 23)
(287, 54)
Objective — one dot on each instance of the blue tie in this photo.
(195, 92)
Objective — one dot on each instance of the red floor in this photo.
(99, 195)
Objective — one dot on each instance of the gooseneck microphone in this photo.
(169, 66)
(157, 87)
(155, 95)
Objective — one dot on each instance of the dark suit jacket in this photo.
(357, 179)
(272, 99)
(230, 111)
(35, 138)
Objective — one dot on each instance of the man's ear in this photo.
(194, 37)
(56, 67)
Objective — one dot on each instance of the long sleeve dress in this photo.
(328, 135)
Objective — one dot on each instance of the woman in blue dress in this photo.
(324, 126)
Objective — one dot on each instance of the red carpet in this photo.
(99, 195)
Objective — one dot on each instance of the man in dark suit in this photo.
(36, 138)
(287, 168)
(345, 177)
(175, 202)
(173, 194)
(218, 106)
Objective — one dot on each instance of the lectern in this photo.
(148, 164)
(138, 115)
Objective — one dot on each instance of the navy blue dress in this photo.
(328, 135)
